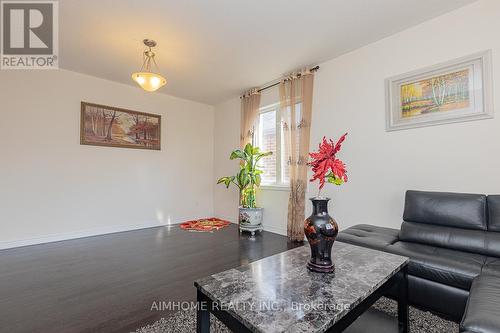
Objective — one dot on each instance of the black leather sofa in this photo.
(453, 242)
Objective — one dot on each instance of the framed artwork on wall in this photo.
(102, 125)
(455, 91)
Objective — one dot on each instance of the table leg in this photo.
(202, 314)
(403, 302)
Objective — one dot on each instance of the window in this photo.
(269, 137)
(267, 141)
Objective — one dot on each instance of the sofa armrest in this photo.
(482, 313)
(370, 236)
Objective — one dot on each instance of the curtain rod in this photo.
(314, 69)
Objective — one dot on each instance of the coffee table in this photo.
(279, 294)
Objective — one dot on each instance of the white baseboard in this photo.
(275, 230)
(272, 229)
(227, 218)
(76, 234)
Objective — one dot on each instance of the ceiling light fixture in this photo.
(147, 79)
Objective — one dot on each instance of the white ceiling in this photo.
(211, 50)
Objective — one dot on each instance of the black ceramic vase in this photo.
(321, 231)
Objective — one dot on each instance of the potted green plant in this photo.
(247, 180)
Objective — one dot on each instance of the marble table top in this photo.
(279, 294)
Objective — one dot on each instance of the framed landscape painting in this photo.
(459, 90)
(102, 125)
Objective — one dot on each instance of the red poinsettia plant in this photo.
(325, 164)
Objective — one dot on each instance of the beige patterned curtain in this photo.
(296, 109)
(250, 104)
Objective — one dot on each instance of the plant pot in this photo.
(250, 219)
(321, 231)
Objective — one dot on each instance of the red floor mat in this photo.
(205, 225)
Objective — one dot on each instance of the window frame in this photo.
(278, 184)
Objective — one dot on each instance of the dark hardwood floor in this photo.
(109, 283)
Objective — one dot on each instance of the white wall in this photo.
(52, 188)
(226, 139)
(349, 96)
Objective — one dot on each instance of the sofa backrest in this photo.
(457, 210)
(453, 220)
(494, 213)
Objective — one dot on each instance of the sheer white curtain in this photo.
(250, 104)
(296, 109)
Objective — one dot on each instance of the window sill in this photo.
(275, 187)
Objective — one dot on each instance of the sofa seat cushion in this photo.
(483, 306)
(370, 236)
(450, 267)
(492, 266)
